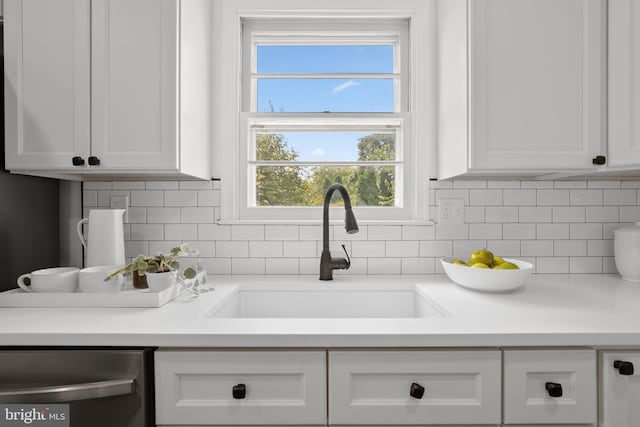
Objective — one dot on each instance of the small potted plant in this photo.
(161, 270)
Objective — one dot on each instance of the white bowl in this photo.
(486, 279)
(91, 279)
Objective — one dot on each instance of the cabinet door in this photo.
(620, 389)
(624, 82)
(536, 84)
(549, 386)
(241, 388)
(47, 91)
(414, 387)
(134, 89)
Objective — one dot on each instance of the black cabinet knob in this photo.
(554, 389)
(77, 161)
(624, 368)
(416, 391)
(94, 161)
(239, 391)
(599, 160)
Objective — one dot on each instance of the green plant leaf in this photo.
(190, 273)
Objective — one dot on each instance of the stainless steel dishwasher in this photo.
(103, 387)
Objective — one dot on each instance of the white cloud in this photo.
(318, 152)
(345, 85)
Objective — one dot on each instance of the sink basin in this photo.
(327, 301)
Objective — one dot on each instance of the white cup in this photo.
(92, 279)
(56, 279)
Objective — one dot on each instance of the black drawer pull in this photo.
(77, 161)
(554, 389)
(624, 368)
(416, 391)
(239, 391)
(94, 161)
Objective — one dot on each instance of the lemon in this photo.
(479, 265)
(459, 262)
(506, 266)
(497, 260)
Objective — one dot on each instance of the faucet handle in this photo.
(348, 259)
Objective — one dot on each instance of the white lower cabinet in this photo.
(414, 387)
(550, 387)
(620, 389)
(240, 388)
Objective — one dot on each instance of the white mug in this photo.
(91, 279)
(56, 279)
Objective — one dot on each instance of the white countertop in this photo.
(551, 310)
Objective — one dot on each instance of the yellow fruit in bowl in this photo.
(506, 266)
(497, 260)
(482, 256)
(479, 265)
(459, 262)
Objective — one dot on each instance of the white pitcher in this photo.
(105, 245)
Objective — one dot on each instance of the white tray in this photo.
(128, 297)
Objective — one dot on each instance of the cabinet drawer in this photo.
(280, 387)
(620, 385)
(532, 378)
(374, 387)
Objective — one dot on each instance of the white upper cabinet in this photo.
(521, 86)
(121, 85)
(624, 83)
(47, 87)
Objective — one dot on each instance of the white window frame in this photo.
(236, 124)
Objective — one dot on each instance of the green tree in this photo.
(278, 185)
(376, 186)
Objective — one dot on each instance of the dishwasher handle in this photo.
(69, 392)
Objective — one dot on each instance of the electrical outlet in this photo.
(121, 202)
(451, 211)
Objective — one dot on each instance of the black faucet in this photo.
(327, 263)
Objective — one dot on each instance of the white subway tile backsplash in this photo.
(570, 248)
(417, 265)
(267, 249)
(561, 226)
(519, 197)
(534, 214)
(196, 215)
(368, 249)
(569, 214)
(436, 248)
(214, 232)
(248, 266)
(300, 249)
(163, 215)
(519, 231)
(585, 265)
(281, 266)
(485, 231)
(485, 197)
(147, 232)
(586, 197)
(180, 198)
(196, 185)
(625, 197)
(501, 214)
(181, 231)
(384, 266)
(232, 249)
(552, 231)
(553, 197)
(402, 249)
(147, 198)
(247, 232)
(536, 248)
(281, 232)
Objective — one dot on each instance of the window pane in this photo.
(326, 95)
(306, 186)
(326, 146)
(325, 59)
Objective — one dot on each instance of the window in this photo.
(325, 99)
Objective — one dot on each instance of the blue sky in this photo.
(318, 95)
